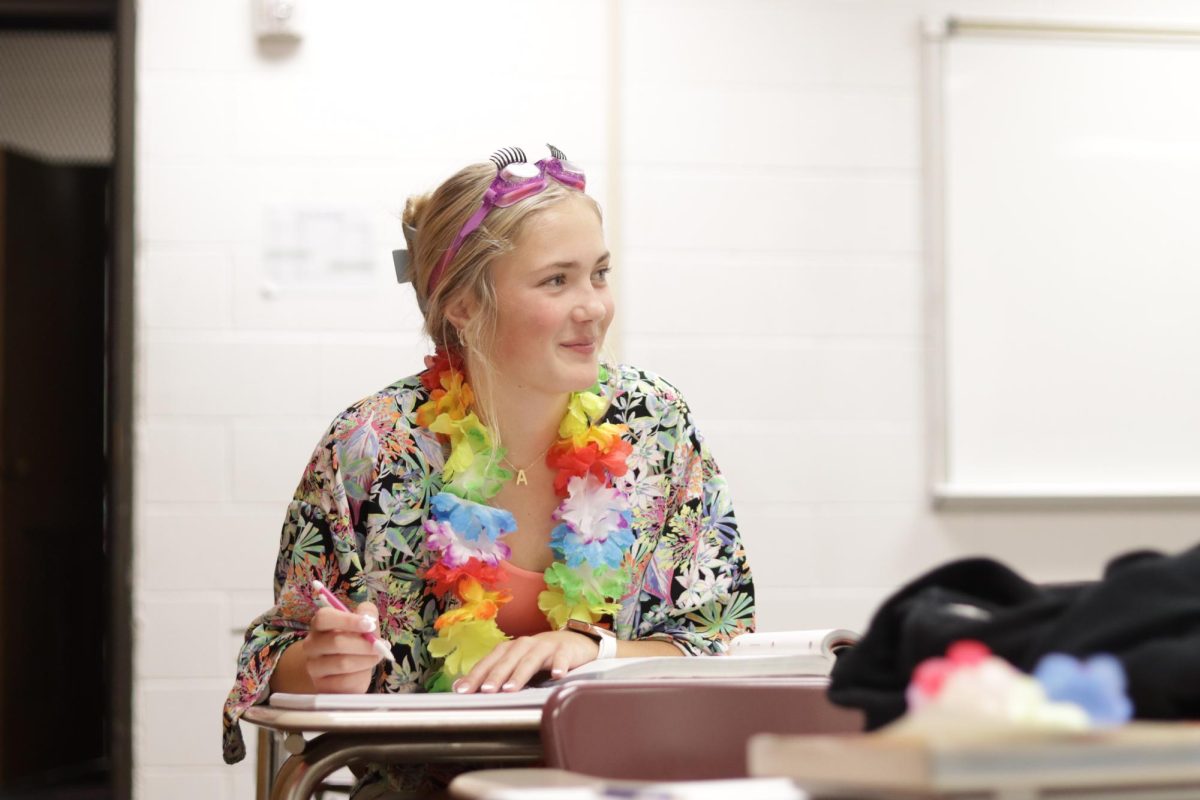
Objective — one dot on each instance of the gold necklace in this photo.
(521, 479)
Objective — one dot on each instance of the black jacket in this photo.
(1146, 611)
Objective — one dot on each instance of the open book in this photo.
(826, 643)
(786, 654)
(412, 701)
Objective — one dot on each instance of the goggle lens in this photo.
(520, 171)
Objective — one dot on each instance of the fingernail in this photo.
(508, 687)
(556, 673)
(460, 687)
(488, 687)
(367, 624)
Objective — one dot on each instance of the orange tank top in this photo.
(521, 615)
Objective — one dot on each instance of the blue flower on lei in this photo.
(472, 520)
(572, 548)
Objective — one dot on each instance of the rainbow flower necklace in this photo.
(590, 543)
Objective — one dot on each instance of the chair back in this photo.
(680, 729)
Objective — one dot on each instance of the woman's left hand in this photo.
(510, 666)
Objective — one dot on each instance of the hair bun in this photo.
(414, 213)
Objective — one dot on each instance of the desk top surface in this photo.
(376, 721)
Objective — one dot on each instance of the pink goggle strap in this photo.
(474, 222)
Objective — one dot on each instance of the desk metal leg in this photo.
(301, 774)
(262, 767)
(268, 760)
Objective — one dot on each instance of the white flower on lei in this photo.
(592, 509)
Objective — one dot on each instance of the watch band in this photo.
(605, 639)
(608, 647)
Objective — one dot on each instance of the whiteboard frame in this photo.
(944, 492)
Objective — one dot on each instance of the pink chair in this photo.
(680, 729)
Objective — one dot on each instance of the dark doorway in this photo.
(53, 600)
(64, 411)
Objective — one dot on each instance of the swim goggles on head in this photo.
(515, 180)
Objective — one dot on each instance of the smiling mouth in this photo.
(581, 347)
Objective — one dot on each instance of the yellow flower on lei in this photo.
(468, 438)
(466, 644)
(479, 604)
(603, 435)
(582, 410)
(468, 633)
(558, 609)
(453, 399)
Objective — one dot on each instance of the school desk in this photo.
(490, 735)
(666, 729)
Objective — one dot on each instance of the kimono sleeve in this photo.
(318, 541)
(711, 591)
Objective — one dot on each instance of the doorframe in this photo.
(119, 18)
(3, 246)
(120, 354)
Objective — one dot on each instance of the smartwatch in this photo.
(606, 639)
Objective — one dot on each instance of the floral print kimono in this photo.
(356, 524)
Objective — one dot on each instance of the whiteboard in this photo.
(1063, 179)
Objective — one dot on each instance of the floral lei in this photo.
(590, 542)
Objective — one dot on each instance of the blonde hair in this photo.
(437, 218)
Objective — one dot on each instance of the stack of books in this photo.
(1140, 760)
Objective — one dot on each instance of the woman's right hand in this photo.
(333, 658)
(337, 657)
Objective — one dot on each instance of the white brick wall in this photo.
(770, 189)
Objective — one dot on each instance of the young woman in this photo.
(509, 509)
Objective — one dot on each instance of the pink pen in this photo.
(331, 600)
